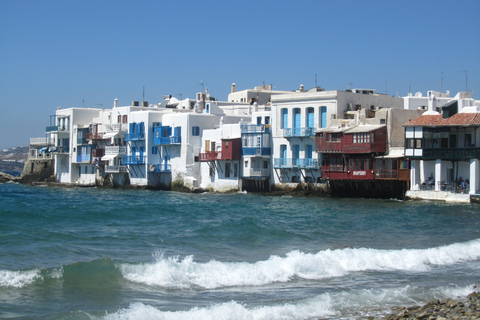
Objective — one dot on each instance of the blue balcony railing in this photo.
(165, 167)
(133, 159)
(134, 136)
(84, 158)
(298, 132)
(252, 151)
(295, 163)
(170, 140)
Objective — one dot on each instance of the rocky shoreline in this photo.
(446, 309)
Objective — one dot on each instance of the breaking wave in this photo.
(342, 305)
(174, 272)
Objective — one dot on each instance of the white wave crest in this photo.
(342, 305)
(18, 279)
(230, 310)
(173, 272)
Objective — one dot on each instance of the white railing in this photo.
(35, 154)
(113, 150)
(41, 141)
(115, 169)
(116, 127)
(257, 173)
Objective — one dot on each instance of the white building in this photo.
(444, 148)
(297, 115)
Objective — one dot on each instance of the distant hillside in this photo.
(13, 159)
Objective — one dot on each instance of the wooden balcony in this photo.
(94, 136)
(210, 156)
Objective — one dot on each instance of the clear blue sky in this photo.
(89, 52)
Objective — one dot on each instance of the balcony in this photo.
(298, 132)
(165, 167)
(255, 128)
(84, 158)
(451, 153)
(95, 136)
(210, 156)
(174, 140)
(115, 127)
(253, 151)
(290, 163)
(42, 141)
(116, 169)
(136, 136)
(56, 129)
(259, 173)
(133, 159)
(114, 150)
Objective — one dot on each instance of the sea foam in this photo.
(174, 272)
(341, 305)
(18, 279)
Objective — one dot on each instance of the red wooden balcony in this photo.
(210, 156)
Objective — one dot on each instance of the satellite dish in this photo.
(418, 94)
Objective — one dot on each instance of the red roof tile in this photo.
(458, 119)
(424, 120)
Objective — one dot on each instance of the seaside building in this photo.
(443, 146)
(261, 139)
(296, 117)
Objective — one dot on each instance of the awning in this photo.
(364, 128)
(109, 157)
(110, 134)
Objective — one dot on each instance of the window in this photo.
(336, 164)
(154, 150)
(235, 170)
(267, 120)
(227, 170)
(195, 131)
(468, 140)
(119, 119)
(323, 117)
(125, 119)
(284, 119)
(310, 118)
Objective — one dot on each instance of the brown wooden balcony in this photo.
(210, 156)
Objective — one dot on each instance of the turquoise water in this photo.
(75, 253)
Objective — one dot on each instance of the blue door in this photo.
(323, 117)
(296, 154)
(308, 155)
(283, 154)
(296, 121)
(284, 118)
(310, 118)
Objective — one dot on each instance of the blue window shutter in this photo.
(284, 118)
(297, 119)
(323, 112)
(310, 119)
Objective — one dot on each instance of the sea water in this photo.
(87, 253)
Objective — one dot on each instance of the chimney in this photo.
(234, 89)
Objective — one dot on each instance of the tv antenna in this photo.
(348, 85)
(202, 84)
